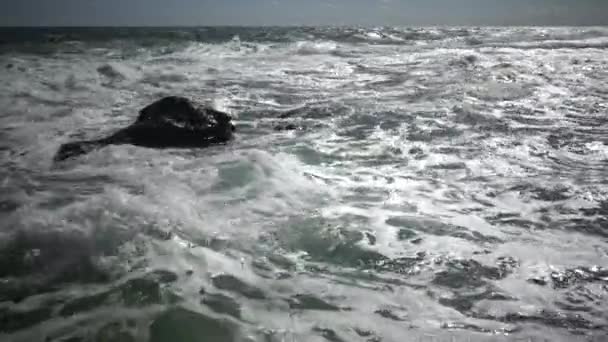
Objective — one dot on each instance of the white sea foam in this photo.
(410, 144)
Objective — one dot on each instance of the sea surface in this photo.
(442, 184)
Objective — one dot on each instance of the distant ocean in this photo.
(441, 183)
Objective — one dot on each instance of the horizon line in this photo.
(301, 25)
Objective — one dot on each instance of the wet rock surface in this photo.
(169, 122)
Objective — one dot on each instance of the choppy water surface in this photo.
(448, 182)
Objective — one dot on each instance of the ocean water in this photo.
(444, 184)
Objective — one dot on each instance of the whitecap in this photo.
(592, 43)
(315, 48)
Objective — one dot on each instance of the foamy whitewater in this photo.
(444, 184)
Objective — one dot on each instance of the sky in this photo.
(301, 12)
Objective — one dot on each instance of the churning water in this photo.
(443, 183)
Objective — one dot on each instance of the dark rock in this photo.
(9, 66)
(231, 283)
(223, 304)
(179, 324)
(538, 281)
(416, 241)
(172, 122)
(189, 273)
(310, 302)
